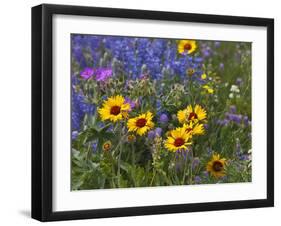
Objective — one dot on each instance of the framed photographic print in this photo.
(144, 112)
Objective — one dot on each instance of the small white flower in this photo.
(231, 95)
(226, 84)
(234, 89)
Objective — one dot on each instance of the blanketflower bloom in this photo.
(186, 46)
(178, 140)
(216, 166)
(141, 124)
(191, 114)
(114, 108)
(194, 129)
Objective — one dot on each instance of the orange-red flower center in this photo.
(115, 110)
(217, 166)
(187, 46)
(192, 115)
(179, 142)
(141, 122)
(106, 146)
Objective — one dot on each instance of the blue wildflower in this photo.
(151, 134)
(158, 131)
(197, 179)
(163, 118)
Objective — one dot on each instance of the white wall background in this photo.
(15, 129)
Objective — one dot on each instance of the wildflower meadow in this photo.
(159, 112)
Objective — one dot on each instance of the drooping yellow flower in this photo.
(114, 109)
(178, 139)
(141, 124)
(191, 114)
(216, 166)
(186, 46)
(194, 129)
(208, 89)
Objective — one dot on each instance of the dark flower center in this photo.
(217, 166)
(141, 122)
(115, 110)
(187, 46)
(179, 142)
(192, 115)
(190, 71)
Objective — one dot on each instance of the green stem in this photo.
(184, 171)
(133, 155)
(154, 173)
(119, 165)
(119, 156)
(191, 172)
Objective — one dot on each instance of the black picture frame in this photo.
(42, 107)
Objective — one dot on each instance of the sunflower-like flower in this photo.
(186, 46)
(141, 124)
(114, 108)
(194, 129)
(216, 166)
(178, 139)
(191, 114)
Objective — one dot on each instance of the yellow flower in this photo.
(191, 114)
(216, 166)
(141, 124)
(178, 139)
(194, 129)
(203, 76)
(209, 89)
(114, 109)
(106, 146)
(186, 46)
